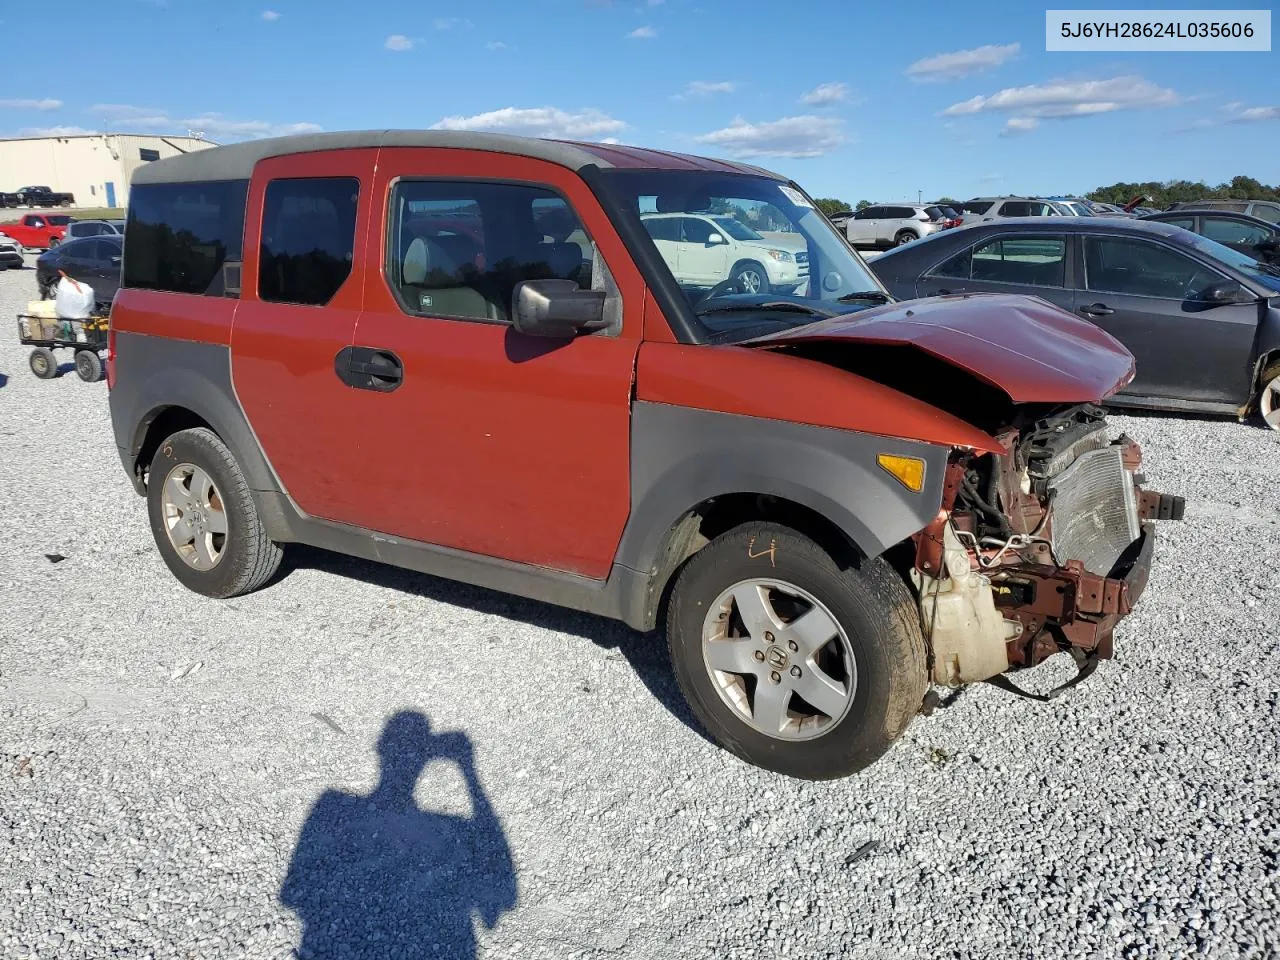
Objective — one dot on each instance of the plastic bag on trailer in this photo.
(74, 300)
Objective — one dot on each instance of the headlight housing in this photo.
(782, 255)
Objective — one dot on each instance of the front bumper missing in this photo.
(1068, 607)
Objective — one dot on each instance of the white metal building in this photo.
(96, 167)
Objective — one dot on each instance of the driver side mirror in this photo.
(555, 308)
(1226, 291)
(714, 239)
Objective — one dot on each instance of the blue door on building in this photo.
(111, 194)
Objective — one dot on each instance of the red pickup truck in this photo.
(38, 231)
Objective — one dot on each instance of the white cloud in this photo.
(1019, 125)
(826, 93)
(586, 124)
(32, 104)
(126, 115)
(218, 127)
(962, 63)
(270, 15)
(610, 140)
(1257, 115)
(643, 33)
(53, 131)
(705, 88)
(399, 43)
(806, 136)
(1069, 98)
(496, 45)
(448, 23)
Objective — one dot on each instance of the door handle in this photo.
(1097, 310)
(369, 368)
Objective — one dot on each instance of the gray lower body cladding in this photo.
(680, 458)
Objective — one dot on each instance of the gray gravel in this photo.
(160, 754)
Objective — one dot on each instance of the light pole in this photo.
(919, 196)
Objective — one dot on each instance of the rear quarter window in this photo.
(186, 237)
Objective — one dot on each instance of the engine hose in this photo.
(998, 518)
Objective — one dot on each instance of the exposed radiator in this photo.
(1095, 510)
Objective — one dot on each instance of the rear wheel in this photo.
(792, 661)
(88, 366)
(1269, 397)
(43, 363)
(203, 517)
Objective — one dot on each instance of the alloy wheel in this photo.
(194, 517)
(1269, 403)
(779, 659)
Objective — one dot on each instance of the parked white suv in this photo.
(703, 250)
(889, 225)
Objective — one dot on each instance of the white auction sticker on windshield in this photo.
(795, 196)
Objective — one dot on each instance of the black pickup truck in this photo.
(44, 197)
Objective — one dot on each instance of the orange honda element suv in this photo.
(558, 370)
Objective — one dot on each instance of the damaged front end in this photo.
(1038, 550)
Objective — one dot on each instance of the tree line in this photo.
(1159, 194)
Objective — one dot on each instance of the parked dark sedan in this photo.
(1202, 321)
(91, 260)
(1248, 235)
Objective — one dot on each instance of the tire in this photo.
(904, 236)
(1268, 400)
(88, 366)
(53, 242)
(43, 363)
(750, 277)
(878, 626)
(243, 557)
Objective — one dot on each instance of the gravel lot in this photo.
(160, 754)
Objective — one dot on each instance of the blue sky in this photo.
(853, 99)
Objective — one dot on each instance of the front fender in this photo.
(682, 457)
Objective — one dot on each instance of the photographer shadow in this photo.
(373, 875)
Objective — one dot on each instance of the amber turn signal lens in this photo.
(908, 470)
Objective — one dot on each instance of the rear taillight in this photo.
(111, 355)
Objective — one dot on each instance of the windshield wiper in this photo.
(864, 295)
(786, 305)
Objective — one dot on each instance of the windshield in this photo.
(775, 263)
(737, 229)
(1079, 209)
(1258, 272)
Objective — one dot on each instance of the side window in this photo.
(1136, 267)
(977, 207)
(1186, 223)
(903, 213)
(1032, 261)
(1233, 231)
(1268, 213)
(35, 222)
(662, 228)
(869, 213)
(308, 239)
(186, 237)
(459, 249)
(148, 155)
(957, 267)
(695, 229)
(1018, 208)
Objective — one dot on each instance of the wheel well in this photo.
(705, 521)
(1266, 363)
(745, 261)
(166, 423)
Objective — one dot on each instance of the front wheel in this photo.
(750, 277)
(203, 517)
(904, 236)
(792, 661)
(53, 242)
(1269, 397)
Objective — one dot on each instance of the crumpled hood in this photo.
(1027, 347)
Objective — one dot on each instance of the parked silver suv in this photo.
(891, 225)
(1268, 210)
(983, 209)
